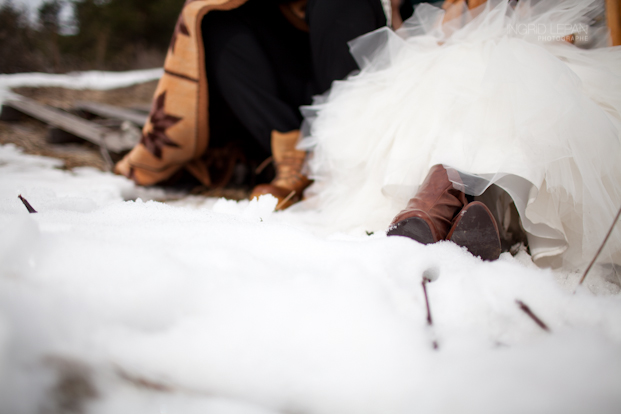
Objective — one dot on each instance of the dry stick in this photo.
(429, 320)
(283, 202)
(534, 317)
(27, 204)
(141, 382)
(264, 164)
(155, 385)
(586, 272)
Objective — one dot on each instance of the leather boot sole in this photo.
(476, 230)
(415, 228)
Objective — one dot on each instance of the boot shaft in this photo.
(288, 160)
(436, 202)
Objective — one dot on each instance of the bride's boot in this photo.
(428, 216)
(475, 229)
(289, 183)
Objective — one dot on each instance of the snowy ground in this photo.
(95, 80)
(110, 304)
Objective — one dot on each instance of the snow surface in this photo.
(216, 306)
(96, 80)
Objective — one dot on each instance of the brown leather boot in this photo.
(289, 183)
(428, 216)
(475, 229)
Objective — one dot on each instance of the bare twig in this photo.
(27, 204)
(429, 319)
(170, 388)
(534, 317)
(586, 272)
(283, 202)
(141, 382)
(264, 164)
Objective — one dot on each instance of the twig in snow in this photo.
(429, 319)
(586, 272)
(534, 317)
(144, 383)
(283, 202)
(154, 385)
(27, 204)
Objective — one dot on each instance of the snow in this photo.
(96, 80)
(222, 307)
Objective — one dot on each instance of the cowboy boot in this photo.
(475, 229)
(428, 216)
(289, 183)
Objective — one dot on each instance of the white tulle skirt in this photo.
(495, 95)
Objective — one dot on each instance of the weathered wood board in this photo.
(110, 111)
(115, 141)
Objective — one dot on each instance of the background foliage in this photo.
(108, 35)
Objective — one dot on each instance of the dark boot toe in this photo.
(415, 228)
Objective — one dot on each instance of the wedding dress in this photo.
(498, 97)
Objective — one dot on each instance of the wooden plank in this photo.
(613, 16)
(142, 108)
(112, 140)
(110, 111)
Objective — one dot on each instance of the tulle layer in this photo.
(496, 95)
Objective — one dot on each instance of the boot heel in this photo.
(476, 230)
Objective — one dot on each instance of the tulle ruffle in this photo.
(498, 96)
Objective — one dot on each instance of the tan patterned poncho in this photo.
(177, 131)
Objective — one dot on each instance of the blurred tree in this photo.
(113, 33)
(109, 35)
(49, 23)
(49, 18)
(18, 52)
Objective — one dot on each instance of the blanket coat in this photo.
(176, 134)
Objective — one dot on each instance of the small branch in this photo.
(534, 317)
(429, 319)
(264, 164)
(286, 200)
(27, 204)
(170, 388)
(141, 382)
(586, 272)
